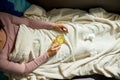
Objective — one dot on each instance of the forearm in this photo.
(35, 24)
(11, 67)
(36, 63)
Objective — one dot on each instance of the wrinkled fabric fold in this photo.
(95, 34)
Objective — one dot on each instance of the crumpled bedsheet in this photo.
(92, 45)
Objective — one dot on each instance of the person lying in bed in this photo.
(9, 27)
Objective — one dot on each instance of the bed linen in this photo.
(91, 47)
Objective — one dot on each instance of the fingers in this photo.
(53, 49)
(61, 28)
(64, 29)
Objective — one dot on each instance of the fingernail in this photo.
(64, 29)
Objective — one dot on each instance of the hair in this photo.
(1, 25)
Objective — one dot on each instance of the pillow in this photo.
(36, 12)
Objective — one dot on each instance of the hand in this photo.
(60, 28)
(53, 50)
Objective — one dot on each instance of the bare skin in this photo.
(55, 47)
(51, 51)
(2, 39)
(61, 28)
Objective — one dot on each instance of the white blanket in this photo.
(91, 46)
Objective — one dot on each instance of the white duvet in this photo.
(91, 46)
